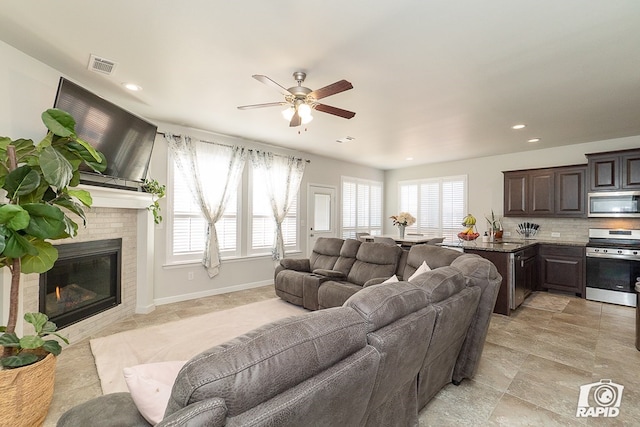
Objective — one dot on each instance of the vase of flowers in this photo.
(403, 220)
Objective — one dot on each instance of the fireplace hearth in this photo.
(84, 281)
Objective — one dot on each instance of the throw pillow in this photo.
(150, 387)
(392, 279)
(422, 269)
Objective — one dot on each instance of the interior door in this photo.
(321, 214)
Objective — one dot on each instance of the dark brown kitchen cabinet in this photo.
(570, 194)
(559, 191)
(528, 193)
(515, 193)
(541, 190)
(562, 268)
(614, 170)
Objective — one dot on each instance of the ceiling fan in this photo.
(301, 100)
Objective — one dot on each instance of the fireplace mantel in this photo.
(105, 197)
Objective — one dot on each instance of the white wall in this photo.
(485, 179)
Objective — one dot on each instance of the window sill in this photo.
(228, 260)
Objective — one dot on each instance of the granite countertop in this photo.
(508, 245)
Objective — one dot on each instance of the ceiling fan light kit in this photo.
(301, 100)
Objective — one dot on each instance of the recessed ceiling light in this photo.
(409, 158)
(534, 140)
(520, 126)
(132, 87)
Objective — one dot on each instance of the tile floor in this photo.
(533, 364)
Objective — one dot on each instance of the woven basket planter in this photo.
(26, 393)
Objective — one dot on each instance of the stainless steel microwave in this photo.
(614, 204)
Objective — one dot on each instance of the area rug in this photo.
(179, 340)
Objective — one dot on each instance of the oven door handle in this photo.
(613, 256)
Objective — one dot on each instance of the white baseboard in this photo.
(145, 309)
(218, 291)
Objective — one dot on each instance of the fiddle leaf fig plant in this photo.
(39, 180)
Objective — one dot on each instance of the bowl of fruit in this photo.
(469, 232)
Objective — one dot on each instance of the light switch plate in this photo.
(555, 234)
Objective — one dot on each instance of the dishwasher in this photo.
(521, 275)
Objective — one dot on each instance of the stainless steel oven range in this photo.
(613, 265)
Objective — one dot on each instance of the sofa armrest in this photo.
(115, 409)
(331, 274)
(374, 281)
(210, 412)
(297, 264)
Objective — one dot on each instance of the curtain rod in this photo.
(227, 145)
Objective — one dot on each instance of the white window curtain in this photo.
(212, 172)
(282, 176)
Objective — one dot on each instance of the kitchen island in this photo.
(530, 265)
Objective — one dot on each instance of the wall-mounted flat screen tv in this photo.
(125, 139)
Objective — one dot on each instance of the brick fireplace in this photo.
(116, 214)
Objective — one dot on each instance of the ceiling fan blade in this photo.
(296, 120)
(266, 80)
(269, 104)
(332, 89)
(334, 110)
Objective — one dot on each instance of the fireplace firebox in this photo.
(84, 281)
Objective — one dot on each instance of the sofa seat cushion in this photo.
(374, 260)
(334, 293)
(265, 362)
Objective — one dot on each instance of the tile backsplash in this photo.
(563, 229)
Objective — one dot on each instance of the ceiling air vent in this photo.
(101, 65)
(345, 139)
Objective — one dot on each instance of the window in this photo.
(439, 204)
(361, 207)
(263, 226)
(189, 227)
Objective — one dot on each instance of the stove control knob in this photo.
(635, 252)
(596, 250)
(619, 252)
(605, 251)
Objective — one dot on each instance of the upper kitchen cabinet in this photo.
(614, 170)
(556, 191)
(570, 194)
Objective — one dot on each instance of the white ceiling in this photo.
(433, 80)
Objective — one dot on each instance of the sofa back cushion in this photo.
(325, 253)
(441, 283)
(347, 256)
(400, 323)
(267, 361)
(478, 272)
(435, 256)
(374, 260)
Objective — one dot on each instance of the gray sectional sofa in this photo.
(374, 361)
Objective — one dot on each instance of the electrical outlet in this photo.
(190, 275)
(507, 234)
(555, 234)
